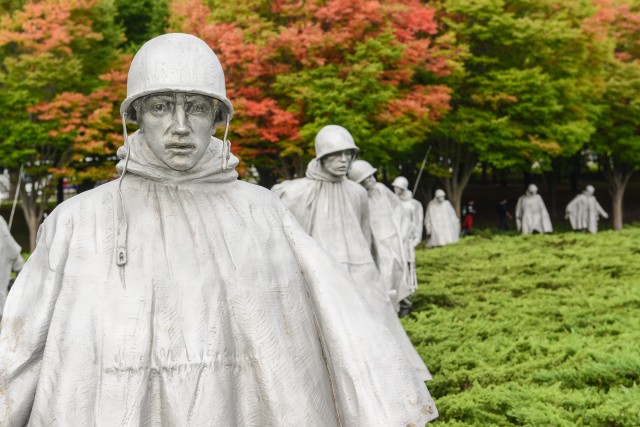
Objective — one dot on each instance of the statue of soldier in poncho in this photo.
(389, 227)
(584, 211)
(335, 212)
(441, 222)
(10, 260)
(181, 296)
(414, 211)
(531, 213)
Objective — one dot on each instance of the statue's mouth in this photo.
(179, 148)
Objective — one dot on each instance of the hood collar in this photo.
(317, 172)
(143, 163)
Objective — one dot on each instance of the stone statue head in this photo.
(590, 190)
(363, 173)
(400, 185)
(176, 93)
(335, 149)
(440, 195)
(532, 189)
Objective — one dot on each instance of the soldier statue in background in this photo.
(584, 211)
(531, 213)
(441, 222)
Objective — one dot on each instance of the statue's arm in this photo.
(25, 326)
(365, 223)
(601, 211)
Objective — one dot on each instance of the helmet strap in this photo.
(226, 146)
(121, 239)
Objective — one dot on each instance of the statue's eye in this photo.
(159, 107)
(198, 108)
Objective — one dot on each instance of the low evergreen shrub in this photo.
(539, 330)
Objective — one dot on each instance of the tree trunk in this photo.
(60, 191)
(463, 162)
(618, 181)
(34, 207)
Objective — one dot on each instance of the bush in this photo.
(532, 330)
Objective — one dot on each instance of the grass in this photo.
(532, 330)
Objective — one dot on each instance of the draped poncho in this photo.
(225, 314)
(335, 212)
(583, 212)
(532, 215)
(441, 223)
(10, 260)
(389, 227)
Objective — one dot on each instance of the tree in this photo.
(294, 67)
(615, 28)
(47, 47)
(523, 94)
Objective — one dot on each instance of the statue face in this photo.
(398, 191)
(178, 127)
(369, 182)
(440, 198)
(337, 164)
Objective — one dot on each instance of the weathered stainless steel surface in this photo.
(584, 211)
(531, 213)
(389, 228)
(10, 260)
(335, 212)
(224, 312)
(415, 212)
(441, 222)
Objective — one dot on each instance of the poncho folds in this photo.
(532, 215)
(335, 212)
(389, 226)
(441, 223)
(228, 315)
(414, 211)
(583, 213)
(10, 260)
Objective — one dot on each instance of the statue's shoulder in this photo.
(292, 187)
(355, 188)
(91, 199)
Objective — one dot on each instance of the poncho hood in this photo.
(143, 163)
(316, 171)
(406, 195)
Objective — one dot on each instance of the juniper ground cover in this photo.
(532, 330)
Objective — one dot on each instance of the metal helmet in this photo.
(401, 182)
(440, 193)
(360, 170)
(176, 63)
(333, 138)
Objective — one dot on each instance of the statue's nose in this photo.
(180, 121)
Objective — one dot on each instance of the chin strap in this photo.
(226, 147)
(121, 240)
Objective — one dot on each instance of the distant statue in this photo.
(10, 260)
(414, 211)
(389, 227)
(4, 185)
(179, 295)
(531, 213)
(441, 222)
(584, 211)
(335, 211)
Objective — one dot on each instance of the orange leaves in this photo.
(47, 26)
(422, 102)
